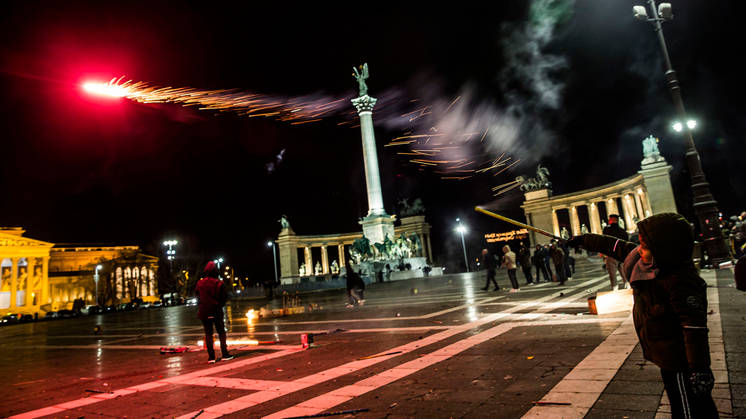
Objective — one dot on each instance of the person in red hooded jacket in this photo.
(212, 297)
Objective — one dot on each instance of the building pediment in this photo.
(12, 240)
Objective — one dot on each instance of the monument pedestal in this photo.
(377, 227)
(658, 184)
(287, 243)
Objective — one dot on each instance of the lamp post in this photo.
(274, 258)
(95, 280)
(462, 229)
(218, 261)
(705, 206)
(170, 252)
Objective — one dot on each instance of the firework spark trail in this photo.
(431, 141)
(297, 110)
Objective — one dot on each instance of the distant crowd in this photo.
(734, 231)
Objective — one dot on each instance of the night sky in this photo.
(83, 169)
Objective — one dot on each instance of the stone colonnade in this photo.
(635, 198)
(635, 206)
(24, 282)
(331, 245)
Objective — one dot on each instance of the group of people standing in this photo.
(544, 257)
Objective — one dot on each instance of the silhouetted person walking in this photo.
(489, 264)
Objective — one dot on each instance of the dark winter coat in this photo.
(489, 262)
(539, 258)
(558, 256)
(212, 296)
(524, 257)
(670, 311)
(354, 280)
(614, 230)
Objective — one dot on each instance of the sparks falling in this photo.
(430, 138)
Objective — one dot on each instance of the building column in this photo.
(628, 211)
(645, 203)
(595, 218)
(574, 221)
(611, 207)
(429, 248)
(13, 281)
(555, 223)
(638, 205)
(308, 261)
(341, 253)
(30, 261)
(324, 260)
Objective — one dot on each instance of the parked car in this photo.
(25, 318)
(52, 315)
(156, 304)
(67, 314)
(10, 319)
(192, 302)
(90, 310)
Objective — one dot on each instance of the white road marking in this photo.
(263, 395)
(247, 401)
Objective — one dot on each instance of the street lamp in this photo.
(462, 229)
(274, 258)
(705, 206)
(95, 280)
(171, 252)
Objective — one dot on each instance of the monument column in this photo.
(595, 218)
(628, 211)
(638, 205)
(377, 224)
(341, 252)
(308, 261)
(611, 207)
(555, 223)
(13, 281)
(574, 221)
(324, 260)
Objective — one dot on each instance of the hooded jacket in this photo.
(670, 310)
(211, 293)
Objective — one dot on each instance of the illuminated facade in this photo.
(334, 246)
(634, 198)
(37, 276)
(125, 274)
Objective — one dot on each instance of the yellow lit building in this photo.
(37, 276)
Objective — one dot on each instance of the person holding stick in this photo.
(670, 307)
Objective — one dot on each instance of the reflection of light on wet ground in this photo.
(173, 362)
(471, 310)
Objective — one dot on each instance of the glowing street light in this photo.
(678, 126)
(274, 258)
(705, 206)
(461, 229)
(95, 280)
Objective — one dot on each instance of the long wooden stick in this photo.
(518, 223)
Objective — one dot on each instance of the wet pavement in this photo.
(447, 350)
